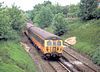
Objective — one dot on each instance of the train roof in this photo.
(28, 25)
(42, 33)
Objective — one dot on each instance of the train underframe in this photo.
(52, 55)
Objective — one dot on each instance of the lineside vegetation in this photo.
(13, 57)
(81, 20)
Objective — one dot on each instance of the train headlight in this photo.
(57, 48)
(47, 49)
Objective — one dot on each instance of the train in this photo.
(50, 45)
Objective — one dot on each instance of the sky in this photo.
(29, 4)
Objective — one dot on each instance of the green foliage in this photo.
(11, 22)
(50, 29)
(47, 3)
(17, 18)
(59, 23)
(4, 23)
(13, 58)
(73, 11)
(87, 9)
(58, 9)
(6, 30)
(97, 13)
(30, 15)
(86, 47)
(96, 56)
(37, 9)
(44, 18)
(65, 10)
(88, 37)
(43, 13)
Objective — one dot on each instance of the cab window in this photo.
(49, 43)
(54, 43)
(58, 43)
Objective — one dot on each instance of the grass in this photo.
(13, 58)
(88, 37)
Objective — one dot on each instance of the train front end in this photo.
(53, 48)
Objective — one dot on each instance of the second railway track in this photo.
(58, 66)
(80, 62)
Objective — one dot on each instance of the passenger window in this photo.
(54, 43)
(49, 43)
(58, 43)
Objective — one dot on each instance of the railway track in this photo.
(63, 65)
(80, 62)
(58, 66)
(69, 65)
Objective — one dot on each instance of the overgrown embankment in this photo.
(88, 37)
(13, 58)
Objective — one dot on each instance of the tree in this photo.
(30, 14)
(97, 13)
(65, 10)
(73, 10)
(11, 22)
(17, 18)
(44, 18)
(57, 9)
(59, 23)
(54, 9)
(6, 31)
(37, 9)
(87, 8)
(4, 23)
(47, 3)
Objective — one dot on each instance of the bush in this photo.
(87, 9)
(17, 18)
(44, 18)
(5, 28)
(11, 22)
(73, 11)
(59, 23)
(96, 56)
(97, 13)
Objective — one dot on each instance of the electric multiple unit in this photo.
(49, 44)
